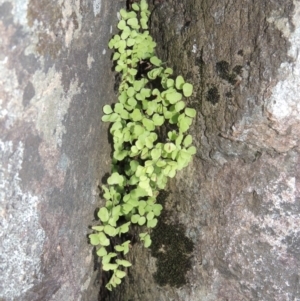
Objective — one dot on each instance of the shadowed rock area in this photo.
(55, 76)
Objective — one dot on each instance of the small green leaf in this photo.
(123, 262)
(102, 252)
(136, 115)
(109, 230)
(187, 140)
(179, 106)
(173, 97)
(142, 220)
(121, 24)
(109, 266)
(179, 82)
(147, 241)
(135, 218)
(103, 214)
(94, 239)
(120, 274)
(150, 216)
(98, 228)
(154, 60)
(135, 7)
(107, 109)
(187, 89)
(158, 120)
(169, 147)
(190, 112)
(152, 223)
(115, 178)
(133, 22)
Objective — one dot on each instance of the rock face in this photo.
(55, 76)
(239, 200)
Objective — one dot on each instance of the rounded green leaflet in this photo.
(144, 5)
(109, 230)
(138, 85)
(130, 42)
(173, 97)
(126, 208)
(150, 216)
(152, 223)
(98, 228)
(147, 241)
(155, 154)
(124, 263)
(130, 92)
(121, 24)
(158, 120)
(124, 228)
(118, 108)
(94, 239)
(179, 106)
(157, 208)
(169, 147)
(109, 266)
(179, 82)
(141, 210)
(154, 73)
(135, 218)
(144, 23)
(154, 60)
(168, 71)
(135, 6)
(123, 13)
(120, 274)
(142, 220)
(133, 22)
(125, 34)
(146, 92)
(170, 83)
(132, 102)
(192, 150)
(116, 56)
(103, 214)
(136, 115)
(187, 89)
(107, 109)
(187, 140)
(190, 112)
(148, 124)
(104, 241)
(115, 178)
(102, 252)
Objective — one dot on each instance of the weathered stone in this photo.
(55, 76)
(239, 200)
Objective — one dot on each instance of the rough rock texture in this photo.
(55, 76)
(240, 199)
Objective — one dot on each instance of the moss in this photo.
(223, 71)
(213, 95)
(173, 252)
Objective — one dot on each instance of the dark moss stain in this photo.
(241, 52)
(173, 252)
(49, 16)
(213, 95)
(223, 71)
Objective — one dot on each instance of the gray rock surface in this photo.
(239, 199)
(55, 76)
